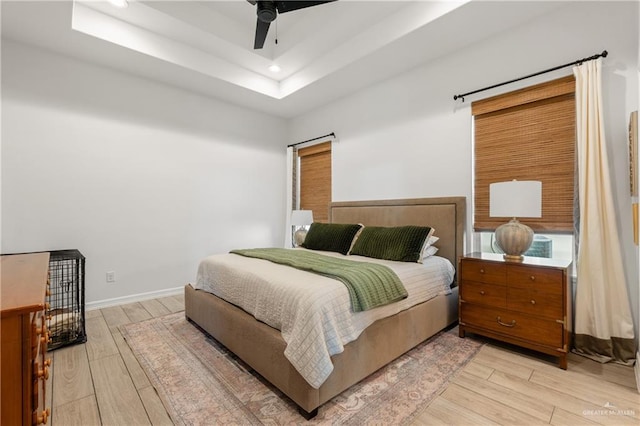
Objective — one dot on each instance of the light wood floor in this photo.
(101, 383)
(505, 385)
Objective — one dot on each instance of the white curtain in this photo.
(291, 191)
(603, 321)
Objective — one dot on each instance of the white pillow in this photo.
(427, 243)
(430, 251)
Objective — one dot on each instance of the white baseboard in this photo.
(133, 298)
(637, 370)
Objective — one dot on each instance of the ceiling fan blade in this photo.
(288, 6)
(262, 28)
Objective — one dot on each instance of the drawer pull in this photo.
(533, 302)
(44, 373)
(532, 278)
(41, 330)
(481, 292)
(45, 338)
(42, 417)
(513, 323)
(482, 270)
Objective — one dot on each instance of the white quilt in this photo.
(313, 312)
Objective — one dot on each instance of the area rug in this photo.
(201, 383)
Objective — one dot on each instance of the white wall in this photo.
(142, 178)
(145, 179)
(406, 137)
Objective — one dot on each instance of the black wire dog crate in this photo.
(65, 312)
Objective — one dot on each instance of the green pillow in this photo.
(400, 243)
(331, 236)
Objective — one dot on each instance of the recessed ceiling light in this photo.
(274, 68)
(119, 3)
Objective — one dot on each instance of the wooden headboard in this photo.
(447, 215)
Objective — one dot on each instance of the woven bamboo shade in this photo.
(528, 134)
(315, 180)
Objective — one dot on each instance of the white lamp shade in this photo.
(517, 198)
(301, 217)
(122, 4)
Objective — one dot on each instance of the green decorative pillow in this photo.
(331, 236)
(400, 243)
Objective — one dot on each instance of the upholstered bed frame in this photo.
(262, 346)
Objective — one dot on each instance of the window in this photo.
(315, 180)
(528, 134)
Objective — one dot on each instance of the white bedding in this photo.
(313, 312)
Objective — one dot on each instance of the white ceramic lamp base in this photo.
(514, 238)
(299, 237)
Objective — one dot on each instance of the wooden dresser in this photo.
(524, 303)
(24, 362)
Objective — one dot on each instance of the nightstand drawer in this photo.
(536, 301)
(484, 294)
(522, 326)
(485, 272)
(527, 276)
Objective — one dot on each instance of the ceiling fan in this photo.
(267, 12)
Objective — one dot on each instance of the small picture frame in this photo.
(633, 153)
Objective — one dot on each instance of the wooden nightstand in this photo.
(24, 360)
(524, 303)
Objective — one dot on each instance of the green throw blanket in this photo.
(369, 284)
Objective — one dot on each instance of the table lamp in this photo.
(300, 219)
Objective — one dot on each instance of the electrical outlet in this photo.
(111, 276)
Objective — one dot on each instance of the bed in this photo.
(263, 348)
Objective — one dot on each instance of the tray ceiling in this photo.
(323, 52)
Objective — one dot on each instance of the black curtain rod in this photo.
(311, 140)
(578, 62)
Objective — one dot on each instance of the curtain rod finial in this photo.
(604, 53)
